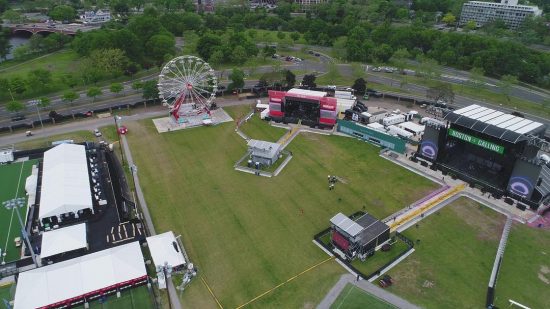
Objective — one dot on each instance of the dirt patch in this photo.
(488, 225)
(543, 278)
(428, 284)
(545, 269)
(308, 305)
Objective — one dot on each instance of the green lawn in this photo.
(380, 258)
(246, 233)
(5, 293)
(525, 270)
(353, 297)
(65, 61)
(76, 136)
(134, 298)
(12, 178)
(453, 261)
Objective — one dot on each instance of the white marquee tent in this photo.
(162, 249)
(63, 240)
(76, 277)
(65, 181)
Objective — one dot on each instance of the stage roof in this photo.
(305, 92)
(73, 278)
(497, 124)
(165, 249)
(346, 224)
(372, 228)
(63, 240)
(65, 181)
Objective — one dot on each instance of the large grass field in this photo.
(353, 297)
(12, 180)
(454, 258)
(247, 233)
(525, 270)
(65, 61)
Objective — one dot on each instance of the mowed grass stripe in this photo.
(246, 233)
(10, 185)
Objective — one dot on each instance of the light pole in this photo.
(35, 103)
(18, 203)
(117, 119)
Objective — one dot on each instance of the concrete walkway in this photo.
(367, 287)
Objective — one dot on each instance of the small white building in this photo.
(393, 119)
(97, 17)
(6, 155)
(266, 153)
(394, 130)
(164, 248)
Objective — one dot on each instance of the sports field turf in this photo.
(12, 178)
(136, 298)
(5, 293)
(525, 270)
(353, 297)
(453, 261)
(247, 233)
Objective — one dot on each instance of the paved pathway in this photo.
(367, 287)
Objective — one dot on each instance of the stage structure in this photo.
(187, 86)
(491, 150)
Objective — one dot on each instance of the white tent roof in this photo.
(63, 240)
(162, 249)
(65, 181)
(68, 279)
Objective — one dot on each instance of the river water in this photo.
(16, 41)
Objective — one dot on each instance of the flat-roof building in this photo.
(508, 11)
(264, 152)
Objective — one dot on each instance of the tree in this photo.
(15, 106)
(39, 79)
(470, 25)
(383, 52)
(237, 79)
(70, 96)
(281, 35)
(12, 16)
(441, 91)
(93, 92)
(111, 62)
(44, 102)
(239, 56)
(137, 85)
(309, 81)
(217, 57)
(360, 85)
(477, 77)
(506, 83)
(150, 90)
(17, 85)
(159, 46)
(295, 36)
(449, 19)
(290, 78)
(207, 44)
(268, 51)
(5, 45)
(116, 88)
(63, 13)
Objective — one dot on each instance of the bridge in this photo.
(44, 28)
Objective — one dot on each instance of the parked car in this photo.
(17, 117)
(376, 69)
(97, 133)
(122, 130)
(388, 70)
(317, 55)
(366, 96)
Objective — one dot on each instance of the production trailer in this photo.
(394, 130)
(393, 119)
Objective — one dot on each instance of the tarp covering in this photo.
(65, 181)
(73, 278)
(165, 249)
(340, 241)
(63, 240)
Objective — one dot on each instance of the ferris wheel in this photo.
(187, 85)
